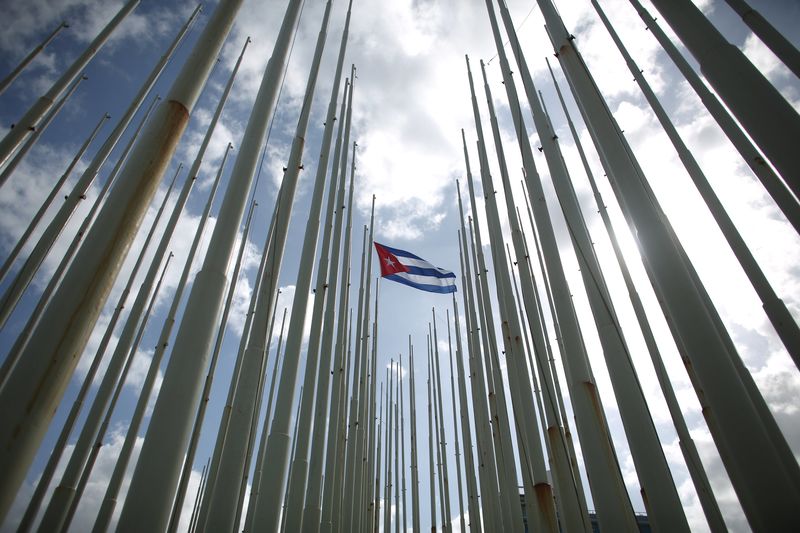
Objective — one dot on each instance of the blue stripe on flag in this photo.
(433, 272)
(441, 289)
(400, 253)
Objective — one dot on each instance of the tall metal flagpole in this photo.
(403, 448)
(776, 309)
(30, 121)
(466, 433)
(444, 493)
(764, 113)
(345, 342)
(23, 240)
(491, 507)
(197, 497)
(4, 84)
(12, 165)
(298, 482)
(765, 486)
(387, 493)
(58, 449)
(455, 428)
(658, 488)
(412, 401)
(29, 268)
(448, 517)
(56, 512)
(98, 444)
(786, 201)
(538, 491)
(771, 37)
(78, 193)
(146, 508)
(370, 470)
(47, 362)
(688, 448)
(432, 484)
(378, 458)
(396, 457)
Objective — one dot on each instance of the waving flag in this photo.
(409, 269)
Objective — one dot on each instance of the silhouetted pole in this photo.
(30, 57)
(30, 121)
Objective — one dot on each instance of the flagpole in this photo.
(61, 443)
(767, 489)
(49, 357)
(195, 507)
(455, 427)
(30, 121)
(432, 483)
(326, 444)
(772, 122)
(378, 462)
(447, 518)
(403, 447)
(783, 197)
(412, 399)
(20, 154)
(370, 472)
(396, 459)
(776, 310)
(29, 268)
(491, 506)
(390, 429)
(777, 43)
(345, 343)
(688, 448)
(4, 84)
(444, 493)
(466, 432)
(12, 256)
(327, 282)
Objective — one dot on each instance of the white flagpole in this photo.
(378, 458)
(786, 201)
(63, 495)
(487, 475)
(23, 240)
(47, 362)
(412, 400)
(764, 113)
(12, 165)
(195, 507)
(432, 484)
(771, 37)
(396, 459)
(657, 485)
(58, 449)
(688, 448)
(366, 520)
(447, 518)
(95, 451)
(30, 121)
(470, 471)
(403, 448)
(78, 193)
(31, 265)
(387, 493)
(455, 428)
(4, 84)
(345, 343)
(444, 494)
(740, 427)
(782, 320)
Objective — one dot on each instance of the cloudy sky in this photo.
(411, 100)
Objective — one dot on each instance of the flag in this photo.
(409, 269)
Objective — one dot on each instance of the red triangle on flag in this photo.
(390, 264)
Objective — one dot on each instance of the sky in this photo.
(411, 100)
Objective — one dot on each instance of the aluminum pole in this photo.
(30, 57)
(31, 120)
(412, 400)
(378, 458)
(444, 494)
(776, 310)
(23, 240)
(403, 449)
(455, 428)
(771, 37)
(766, 486)
(432, 484)
(448, 516)
(783, 197)
(764, 113)
(688, 448)
(46, 364)
(12, 165)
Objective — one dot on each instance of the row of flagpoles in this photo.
(342, 467)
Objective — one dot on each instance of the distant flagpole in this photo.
(455, 428)
(30, 121)
(403, 448)
(378, 458)
(196, 505)
(775, 186)
(12, 165)
(23, 240)
(447, 517)
(412, 401)
(431, 440)
(8, 80)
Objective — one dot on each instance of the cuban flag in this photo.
(409, 269)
